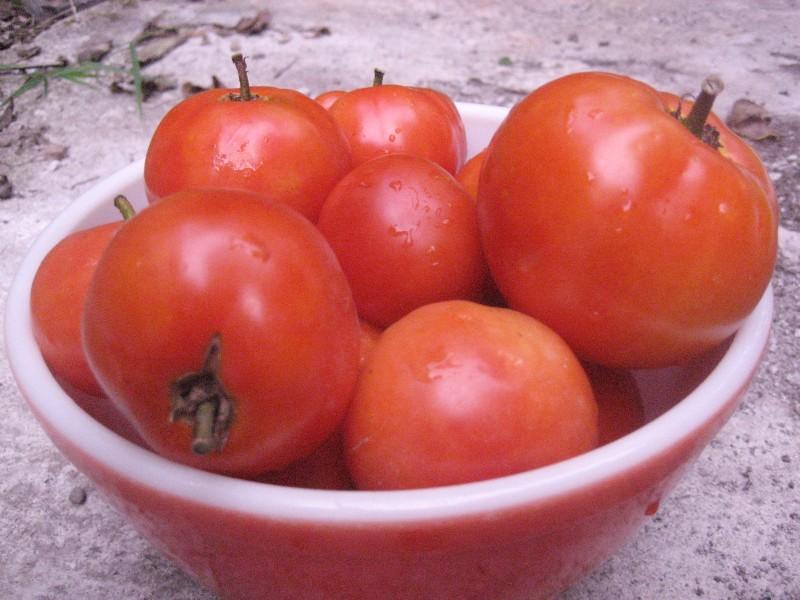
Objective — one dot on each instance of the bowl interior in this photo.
(677, 401)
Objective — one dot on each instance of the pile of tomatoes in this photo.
(325, 292)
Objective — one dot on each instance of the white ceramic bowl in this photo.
(524, 536)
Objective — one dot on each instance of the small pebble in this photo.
(77, 496)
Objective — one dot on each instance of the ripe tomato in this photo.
(323, 469)
(326, 99)
(619, 403)
(457, 391)
(388, 118)
(406, 234)
(58, 294)
(272, 141)
(470, 173)
(605, 217)
(223, 327)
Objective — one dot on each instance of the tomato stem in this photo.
(711, 87)
(377, 77)
(244, 82)
(200, 399)
(125, 208)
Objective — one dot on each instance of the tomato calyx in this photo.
(244, 95)
(200, 399)
(695, 121)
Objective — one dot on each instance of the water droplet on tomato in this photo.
(392, 137)
(589, 176)
(595, 113)
(724, 208)
(396, 185)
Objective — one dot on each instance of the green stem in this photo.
(377, 78)
(124, 207)
(244, 82)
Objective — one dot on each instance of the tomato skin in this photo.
(263, 279)
(457, 391)
(406, 234)
(619, 403)
(281, 144)
(389, 118)
(470, 173)
(326, 99)
(58, 294)
(604, 217)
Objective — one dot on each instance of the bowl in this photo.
(525, 536)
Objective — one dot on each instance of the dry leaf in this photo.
(55, 151)
(255, 24)
(94, 50)
(751, 120)
(190, 89)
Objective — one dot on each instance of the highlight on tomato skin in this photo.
(604, 216)
(457, 391)
(221, 325)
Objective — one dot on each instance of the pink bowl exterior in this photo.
(526, 536)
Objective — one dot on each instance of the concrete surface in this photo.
(731, 529)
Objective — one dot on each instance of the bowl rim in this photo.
(58, 411)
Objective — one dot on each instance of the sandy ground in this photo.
(731, 529)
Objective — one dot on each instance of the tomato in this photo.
(470, 173)
(605, 217)
(324, 469)
(457, 391)
(58, 294)
(619, 403)
(222, 326)
(406, 234)
(369, 337)
(387, 118)
(326, 99)
(272, 141)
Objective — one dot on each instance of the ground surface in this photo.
(731, 529)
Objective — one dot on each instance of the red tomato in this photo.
(620, 409)
(458, 391)
(369, 337)
(389, 118)
(223, 327)
(276, 142)
(470, 173)
(406, 234)
(324, 469)
(326, 99)
(605, 217)
(57, 297)
(58, 294)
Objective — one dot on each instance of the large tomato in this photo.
(268, 140)
(406, 234)
(606, 217)
(457, 391)
(223, 327)
(388, 118)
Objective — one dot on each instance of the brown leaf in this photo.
(55, 151)
(151, 49)
(189, 89)
(28, 52)
(94, 50)
(255, 24)
(751, 120)
(316, 32)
